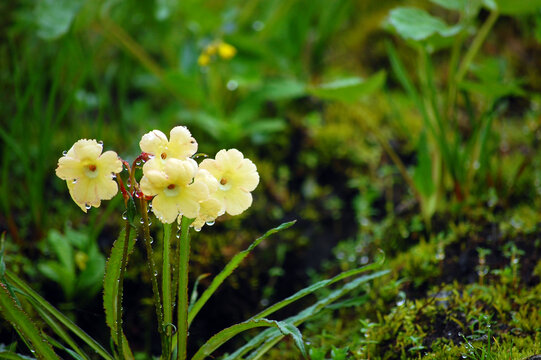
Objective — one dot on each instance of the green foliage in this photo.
(79, 264)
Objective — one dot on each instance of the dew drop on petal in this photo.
(74, 181)
(197, 229)
(210, 223)
(100, 142)
(88, 206)
(64, 153)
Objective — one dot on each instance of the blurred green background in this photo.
(333, 100)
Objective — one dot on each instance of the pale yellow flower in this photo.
(89, 173)
(174, 188)
(236, 176)
(210, 208)
(180, 145)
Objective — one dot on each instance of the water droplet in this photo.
(64, 153)
(125, 215)
(178, 234)
(142, 221)
(210, 223)
(232, 85)
(197, 229)
(88, 206)
(74, 181)
(258, 25)
(138, 163)
(155, 273)
(100, 142)
(113, 176)
(149, 223)
(264, 302)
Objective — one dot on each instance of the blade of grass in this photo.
(229, 268)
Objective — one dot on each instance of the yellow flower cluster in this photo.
(177, 185)
(224, 50)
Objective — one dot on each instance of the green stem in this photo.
(476, 45)
(182, 309)
(123, 265)
(58, 315)
(152, 268)
(166, 288)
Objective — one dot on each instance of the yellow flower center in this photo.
(91, 171)
(224, 184)
(171, 190)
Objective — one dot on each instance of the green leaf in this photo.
(223, 336)
(282, 89)
(89, 282)
(40, 302)
(422, 177)
(59, 274)
(452, 4)
(416, 24)
(514, 7)
(18, 318)
(350, 89)
(62, 249)
(110, 284)
(229, 268)
(314, 287)
(131, 212)
(269, 337)
(54, 17)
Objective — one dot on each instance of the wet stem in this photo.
(127, 228)
(153, 271)
(182, 309)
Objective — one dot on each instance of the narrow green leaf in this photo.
(423, 171)
(13, 356)
(319, 285)
(225, 335)
(131, 212)
(271, 337)
(514, 7)
(350, 89)
(39, 301)
(229, 268)
(110, 284)
(17, 317)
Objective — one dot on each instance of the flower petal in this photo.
(165, 208)
(69, 168)
(153, 142)
(110, 163)
(181, 143)
(87, 149)
(180, 172)
(236, 201)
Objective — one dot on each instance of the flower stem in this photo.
(166, 288)
(123, 265)
(182, 309)
(152, 268)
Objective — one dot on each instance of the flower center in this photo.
(163, 156)
(171, 190)
(91, 171)
(224, 184)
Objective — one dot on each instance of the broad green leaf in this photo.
(514, 7)
(90, 280)
(229, 268)
(18, 318)
(54, 17)
(350, 89)
(319, 285)
(282, 90)
(452, 4)
(111, 282)
(225, 335)
(264, 341)
(62, 249)
(416, 24)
